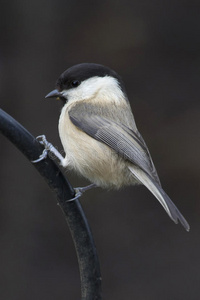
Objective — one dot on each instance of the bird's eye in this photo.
(75, 83)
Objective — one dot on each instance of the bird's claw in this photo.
(80, 190)
(41, 157)
(47, 147)
(43, 141)
(78, 194)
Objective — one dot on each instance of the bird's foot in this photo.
(48, 147)
(80, 190)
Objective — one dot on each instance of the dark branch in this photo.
(77, 222)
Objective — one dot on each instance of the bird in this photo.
(99, 134)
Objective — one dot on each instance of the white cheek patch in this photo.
(101, 88)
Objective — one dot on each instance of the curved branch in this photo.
(77, 222)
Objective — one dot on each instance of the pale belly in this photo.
(92, 159)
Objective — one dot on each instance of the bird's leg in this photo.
(80, 190)
(48, 147)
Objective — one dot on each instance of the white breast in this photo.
(90, 158)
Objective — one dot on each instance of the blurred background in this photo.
(155, 46)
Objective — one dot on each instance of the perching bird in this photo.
(99, 135)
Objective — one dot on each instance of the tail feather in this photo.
(162, 197)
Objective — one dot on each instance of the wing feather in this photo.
(119, 137)
(131, 146)
(161, 196)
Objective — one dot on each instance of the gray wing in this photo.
(118, 137)
(131, 147)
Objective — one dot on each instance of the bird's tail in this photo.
(162, 197)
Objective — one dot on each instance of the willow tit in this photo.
(99, 134)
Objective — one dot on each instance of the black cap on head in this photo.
(73, 76)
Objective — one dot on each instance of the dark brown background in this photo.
(155, 46)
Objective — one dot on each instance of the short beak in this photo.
(54, 94)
